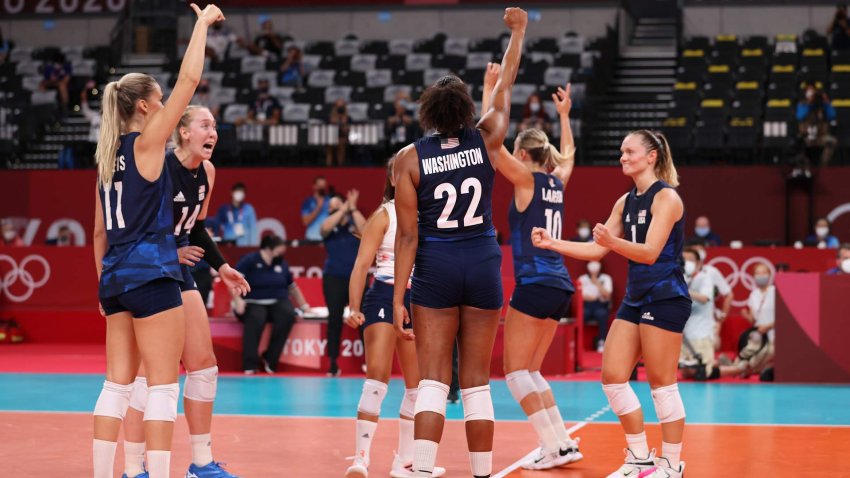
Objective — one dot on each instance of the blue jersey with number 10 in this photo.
(455, 187)
(139, 227)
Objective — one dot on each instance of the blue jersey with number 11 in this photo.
(137, 216)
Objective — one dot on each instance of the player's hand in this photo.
(351, 200)
(602, 236)
(190, 255)
(234, 280)
(238, 305)
(209, 15)
(562, 100)
(541, 238)
(400, 318)
(516, 19)
(355, 319)
(491, 75)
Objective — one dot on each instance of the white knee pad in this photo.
(539, 382)
(201, 385)
(408, 404)
(113, 400)
(162, 402)
(139, 396)
(432, 397)
(668, 403)
(520, 384)
(621, 397)
(373, 395)
(477, 404)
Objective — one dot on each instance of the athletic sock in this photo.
(637, 444)
(672, 451)
(545, 431)
(201, 449)
(159, 463)
(424, 456)
(405, 440)
(365, 433)
(134, 458)
(481, 463)
(103, 454)
(558, 424)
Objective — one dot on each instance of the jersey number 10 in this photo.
(553, 223)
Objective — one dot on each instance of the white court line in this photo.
(578, 426)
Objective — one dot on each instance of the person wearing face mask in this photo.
(534, 116)
(596, 288)
(698, 336)
(400, 123)
(273, 291)
(267, 42)
(722, 289)
(292, 70)
(238, 220)
(821, 236)
(314, 209)
(814, 113)
(10, 235)
(335, 154)
(761, 306)
(582, 232)
(265, 109)
(704, 234)
(842, 263)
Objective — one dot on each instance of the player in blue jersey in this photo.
(444, 185)
(539, 173)
(193, 177)
(136, 253)
(646, 226)
(374, 313)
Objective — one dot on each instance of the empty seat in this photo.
(571, 44)
(269, 76)
(742, 132)
(431, 75)
(363, 62)
(557, 76)
(417, 62)
(321, 48)
(391, 91)
(347, 47)
(451, 62)
(521, 92)
(351, 78)
(234, 112)
(456, 46)
(375, 47)
(321, 78)
(358, 112)
(383, 77)
(401, 46)
(296, 112)
(334, 93)
(252, 64)
(478, 60)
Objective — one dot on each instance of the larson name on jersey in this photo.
(555, 196)
(452, 161)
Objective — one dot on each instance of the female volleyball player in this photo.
(192, 176)
(543, 290)
(376, 317)
(444, 184)
(656, 305)
(136, 254)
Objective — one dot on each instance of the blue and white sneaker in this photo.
(212, 470)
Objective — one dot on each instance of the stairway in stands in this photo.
(639, 94)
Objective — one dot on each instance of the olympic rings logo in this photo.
(742, 275)
(19, 273)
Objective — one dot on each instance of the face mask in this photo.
(702, 254)
(690, 268)
(203, 89)
(810, 94)
(238, 196)
(535, 107)
(584, 232)
(9, 235)
(762, 280)
(322, 192)
(845, 266)
(821, 231)
(340, 109)
(702, 231)
(594, 267)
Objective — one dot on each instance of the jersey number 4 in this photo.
(107, 206)
(447, 189)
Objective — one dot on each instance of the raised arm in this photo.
(585, 251)
(494, 123)
(563, 103)
(407, 232)
(373, 233)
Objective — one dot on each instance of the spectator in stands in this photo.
(268, 42)
(582, 232)
(400, 123)
(272, 285)
(237, 219)
(57, 76)
(204, 98)
(93, 118)
(814, 112)
(596, 288)
(314, 209)
(10, 234)
(265, 109)
(339, 117)
(63, 238)
(821, 236)
(697, 355)
(219, 39)
(292, 70)
(340, 231)
(704, 234)
(721, 288)
(839, 29)
(534, 116)
(5, 47)
(842, 262)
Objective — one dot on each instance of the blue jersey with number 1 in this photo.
(137, 216)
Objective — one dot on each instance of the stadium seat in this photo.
(401, 46)
(742, 132)
(347, 47)
(321, 48)
(252, 64)
(543, 44)
(392, 91)
(351, 78)
(456, 46)
(375, 47)
(376, 78)
(364, 62)
(234, 112)
(450, 61)
(334, 93)
(697, 43)
(557, 76)
(321, 78)
(391, 62)
(679, 133)
(296, 113)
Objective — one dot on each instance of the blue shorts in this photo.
(456, 273)
(668, 314)
(541, 301)
(146, 300)
(188, 281)
(378, 305)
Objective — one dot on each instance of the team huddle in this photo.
(438, 279)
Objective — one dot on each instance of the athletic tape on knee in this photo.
(139, 395)
(162, 402)
(520, 384)
(408, 404)
(201, 385)
(539, 382)
(432, 397)
(621, 397)
(668, 403)
(113, 400)
(372, 397)
(477, 404)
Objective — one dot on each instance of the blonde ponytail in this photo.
(110, 130)
(541, 150)
(664, 167)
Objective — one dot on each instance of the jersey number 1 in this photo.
(107, 206)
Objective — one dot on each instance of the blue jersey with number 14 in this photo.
(137, 216)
